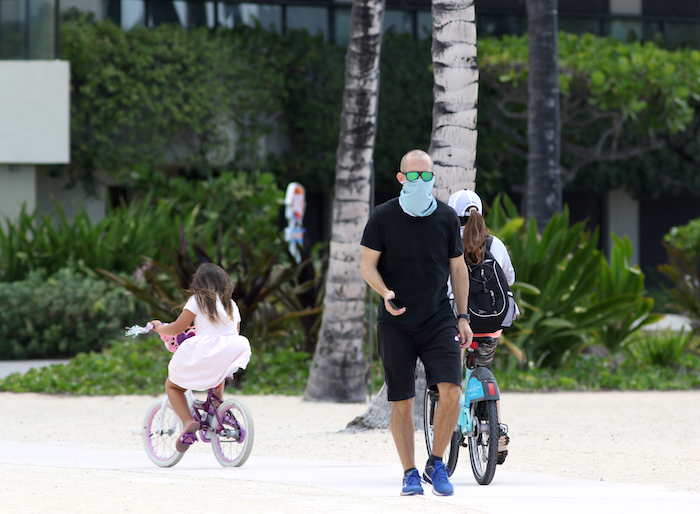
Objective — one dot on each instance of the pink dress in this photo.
(203, 361)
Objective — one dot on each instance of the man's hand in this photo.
(465, 333)
(390, 295)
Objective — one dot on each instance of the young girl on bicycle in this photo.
(475, 236)
(203, 361)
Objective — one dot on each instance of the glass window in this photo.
(229, 15)
(13, 27)
(210, 14)
(626, 30)
(682, 34)
(341, 26)
(180, 7)
(580, 25)
(425, 25)
(489, 25)
(398, 21)
(133, 13)
(313, 19)
(41, 29)
(27, 29)
(269, 16)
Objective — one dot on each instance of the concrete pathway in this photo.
(9, 367)
(359, 484)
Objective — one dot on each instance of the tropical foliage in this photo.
(684, 277)
(619, 101)
(35, 241)
(686, 238)
(618, 278)
(556, 287)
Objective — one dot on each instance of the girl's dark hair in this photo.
(474, 238)
(210, 281)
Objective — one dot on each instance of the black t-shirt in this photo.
(415, 260)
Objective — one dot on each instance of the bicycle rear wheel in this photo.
(233, 442)
(160, 430)
(483, 440)
(452, 451)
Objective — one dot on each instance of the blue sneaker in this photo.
(411, 483)
(437, 475)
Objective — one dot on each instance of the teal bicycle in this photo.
(477, 428)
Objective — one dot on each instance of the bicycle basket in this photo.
(172, 343)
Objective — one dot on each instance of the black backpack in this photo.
(490, 297)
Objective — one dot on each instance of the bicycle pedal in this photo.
(502, 457)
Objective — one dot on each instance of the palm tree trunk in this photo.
(453, 139)
(452, 144)
(338, 371)
(543, 192)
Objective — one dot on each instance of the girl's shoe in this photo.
(187, 437)
(503, 441)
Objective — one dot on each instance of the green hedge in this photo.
(138, 93)
(140, 366)
(62, 315)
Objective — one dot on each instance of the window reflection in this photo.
(398, 21)
(12, 29)
(341, 27)
(425, 25)
(332, 20)
(41, 29)
(269, 16)
(27, 29)
(133, 13)
(313, 19)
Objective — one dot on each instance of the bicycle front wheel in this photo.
(160, 430)
(483, 440)
(452, 451)
(233, 442)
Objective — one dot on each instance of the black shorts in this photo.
(437, 347)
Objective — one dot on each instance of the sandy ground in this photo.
(644, 438)
(649, 438)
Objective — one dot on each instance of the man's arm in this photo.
(370, 272)
(460, 286)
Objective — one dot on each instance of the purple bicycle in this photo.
(229, 428)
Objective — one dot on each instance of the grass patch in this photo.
(140, 366)
(595, 373)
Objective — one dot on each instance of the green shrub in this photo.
(686, 238)
(138, 95)
(556, 275)
(684, 276)
(596, 373)
(62, 314)
(140, 366)
(659, 348)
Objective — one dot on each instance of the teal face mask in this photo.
(417, 198)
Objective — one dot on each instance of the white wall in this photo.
(34, 112)
(17, 186)
(72, 200)
(623, 220)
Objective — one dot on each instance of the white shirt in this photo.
(500, 253)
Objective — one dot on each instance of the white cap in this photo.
(462, 200)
